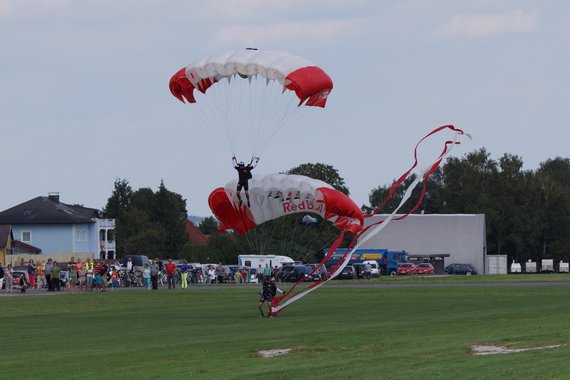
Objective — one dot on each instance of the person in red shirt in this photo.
(170, 273)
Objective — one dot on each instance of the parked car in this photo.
(321, 272)
(253, 276)
(425, 268)
(466, 269)
(295, 272)
(348, 273)
(406, 269)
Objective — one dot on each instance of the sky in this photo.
(84, 96)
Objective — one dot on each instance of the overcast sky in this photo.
(84, 93)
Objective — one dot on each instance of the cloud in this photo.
(305, 32)
(490, 24)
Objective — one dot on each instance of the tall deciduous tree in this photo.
(323, 172)
(209, 225)
(430, 204)
(147, 222)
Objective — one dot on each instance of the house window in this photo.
(81, 235)
(26, 236)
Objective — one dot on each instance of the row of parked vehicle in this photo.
(427, 269)
(295, 272)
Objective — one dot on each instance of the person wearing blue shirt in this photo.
(184, 274)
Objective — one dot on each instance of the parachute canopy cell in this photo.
(276, 195)
(309, 82)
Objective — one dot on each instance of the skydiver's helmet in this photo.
(240, 164)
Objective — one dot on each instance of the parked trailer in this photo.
(255, 261)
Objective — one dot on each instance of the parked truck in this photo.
(387, 260)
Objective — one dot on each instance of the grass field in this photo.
(421, 332)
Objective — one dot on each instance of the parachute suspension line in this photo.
(284, 106)
(214, 107)
(208, 119)
(257, 111)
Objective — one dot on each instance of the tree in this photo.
(208, 225)
(120, 199)
(323, 172)
(551, 201)
(430, 204)
(147, 222)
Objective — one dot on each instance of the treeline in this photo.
(152, 223)
(527, 211)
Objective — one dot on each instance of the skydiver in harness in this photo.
(244, 173)
(268, 291)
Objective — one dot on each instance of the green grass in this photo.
(335, 333)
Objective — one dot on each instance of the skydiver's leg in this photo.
(246, 188)
(239, 186)
(260, 309)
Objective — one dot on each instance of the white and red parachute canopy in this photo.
(276, 195)
(309, 82)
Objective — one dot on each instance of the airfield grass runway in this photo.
(389, 328)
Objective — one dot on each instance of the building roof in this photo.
(5, 234)
(47, 210)
(194, 234)
(21, 246)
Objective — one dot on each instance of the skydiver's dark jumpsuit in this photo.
(244, 175)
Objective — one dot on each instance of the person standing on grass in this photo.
(237, 276)
(41, 282)
(55, 272)
(221, 273)
(9, 277)
(72, 277)
(2, 275)
(184, 274)
(267, 271)
(23, 283)
(104, 272)
(211, 275)
(146, 276)
(80, 276)
(154, 271)
(89, 274)
(47, 271)
(170, 272)
(130, 265)
(32, 273)
(114, 279)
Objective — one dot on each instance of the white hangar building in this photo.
(442, 238)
